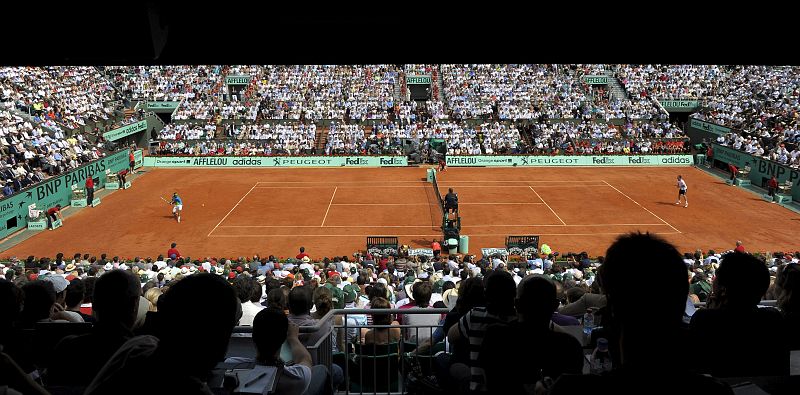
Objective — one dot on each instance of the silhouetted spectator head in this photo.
(270, 327)
(573, 294)
(75, 292)
(536, 300)
(116, 298)
(787, 284)
(10, 303)
(741, 280)
(470, 295)
(276, 299)
(243, 287)
(632, 258)
(500, 290)
(378, 290)
(300, 300)
(255, 297)
(39, 299)
(421, 292)
(196, 318)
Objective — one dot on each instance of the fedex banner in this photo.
(551, 161)
(275, 161)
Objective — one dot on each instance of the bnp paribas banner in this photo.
(276, 161)
(760, 169)
(56, 190)
(547, 161)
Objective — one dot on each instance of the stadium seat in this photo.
(375, 373)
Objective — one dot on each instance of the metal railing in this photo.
(363, 365)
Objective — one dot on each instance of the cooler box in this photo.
(463, 245)
(452, 245)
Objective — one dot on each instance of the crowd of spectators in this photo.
(30, 154)
(187, 131)
(346, 139)
(259, 140)
(141, 308)
(772, 147)
(69, 95)
(672, 81)
(325, 92)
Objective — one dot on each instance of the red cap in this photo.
(231, 275)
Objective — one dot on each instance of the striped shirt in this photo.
(472, 326)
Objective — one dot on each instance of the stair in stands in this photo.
(321, 139)
(615, 87)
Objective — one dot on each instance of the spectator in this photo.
(245, 290)
(787, 284)
(76, 291)
(300, 303)
(276, 299)
(200, 308)
(635, 369)
(548, 353)
(736, 331)
(382, 335)
(173, 252)
(271, 329)
(116, 302)
(500, 292)
(739, 247)
(302, 253)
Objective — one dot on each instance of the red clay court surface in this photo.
(332, 211)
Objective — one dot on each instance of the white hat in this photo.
(59, 282)
(123, 266)
(383, 281)
(108, 266)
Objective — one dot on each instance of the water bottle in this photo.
(588, 323)
(601, 360)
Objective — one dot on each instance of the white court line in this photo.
(424, 186)
(643, 207)
(429, 226)
(413, 182)
(548, 206)
(420, 204)
(329, 206)
(293, 187)
(229, 212)
(439, 235)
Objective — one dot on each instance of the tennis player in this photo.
(442, 164)
(177, 206)
(682, 192)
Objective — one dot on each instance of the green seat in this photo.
(369, 373)
(376, 349)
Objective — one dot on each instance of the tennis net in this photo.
(438, 194)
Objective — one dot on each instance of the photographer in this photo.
(271, 329)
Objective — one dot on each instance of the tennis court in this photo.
(241, 212)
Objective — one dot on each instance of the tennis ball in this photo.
(203, 205)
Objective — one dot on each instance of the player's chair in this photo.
(743, 178)
(784, 192)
